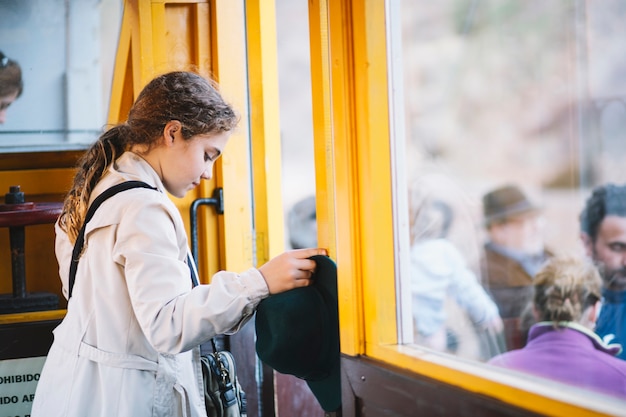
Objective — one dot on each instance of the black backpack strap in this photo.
(80, 240)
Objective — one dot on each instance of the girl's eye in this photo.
(207, 157)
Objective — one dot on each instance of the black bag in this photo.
(223, 394)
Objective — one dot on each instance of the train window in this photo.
(508, 114)
(66, 52)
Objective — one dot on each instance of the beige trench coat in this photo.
(128, 345)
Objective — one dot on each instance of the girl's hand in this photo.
(290, 270)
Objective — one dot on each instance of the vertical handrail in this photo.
(218, 201)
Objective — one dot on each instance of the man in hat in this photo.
(603, 233)
(513, 253)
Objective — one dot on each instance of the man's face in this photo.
(523, 233)
(609, 251)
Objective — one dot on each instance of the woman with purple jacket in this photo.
(562, 345)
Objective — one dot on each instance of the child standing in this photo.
(129, 344)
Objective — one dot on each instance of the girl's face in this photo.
(185, 162)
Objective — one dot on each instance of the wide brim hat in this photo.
(298, 334)
(506, 202)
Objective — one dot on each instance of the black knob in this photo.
(14, 196)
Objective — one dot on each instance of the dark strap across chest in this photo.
(80, 240)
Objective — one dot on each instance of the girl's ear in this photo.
(590, 315)
(595, 312)
(171, 131)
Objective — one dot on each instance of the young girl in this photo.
(128, 345)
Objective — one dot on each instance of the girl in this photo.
(128, 345)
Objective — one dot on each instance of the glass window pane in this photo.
(511, 113)
(66, 51)
(296, 124)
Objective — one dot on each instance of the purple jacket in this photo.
(572, 354)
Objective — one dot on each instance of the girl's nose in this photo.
(207, 174)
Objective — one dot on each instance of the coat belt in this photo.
(117, 360)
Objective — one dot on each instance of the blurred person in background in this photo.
(439, 273)
(11, 85)
(513, 254)
(603, 233)
(302, 223)
(562, 345)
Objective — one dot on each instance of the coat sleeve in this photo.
(173, 316)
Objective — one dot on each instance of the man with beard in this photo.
(603, 232)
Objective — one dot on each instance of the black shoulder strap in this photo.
(80, 240)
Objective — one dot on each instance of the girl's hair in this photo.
(565, 287)
(10, 76)
(186, 97)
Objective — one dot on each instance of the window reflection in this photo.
(66, 51)
(452, 312)
(513, 112)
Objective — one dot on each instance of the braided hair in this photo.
(565, 287)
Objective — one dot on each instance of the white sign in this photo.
(18, 380)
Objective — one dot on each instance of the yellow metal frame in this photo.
(265, 128)
(355, 218)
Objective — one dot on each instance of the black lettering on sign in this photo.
(28, 398)
(16, 379)
(9, 400)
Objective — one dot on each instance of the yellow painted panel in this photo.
(121, 93)
(374, 170)
(163, 30)
(265, 128)
(337, 213)
(32, 317)
(229, 54)
(38, 181)
(143, 53)
(203, 39)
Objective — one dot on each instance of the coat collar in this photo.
(129, 167)
(545, 327)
